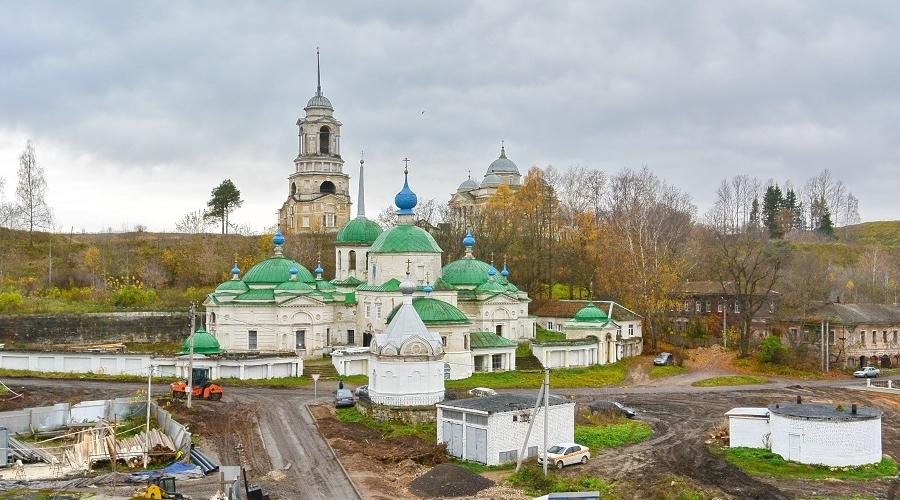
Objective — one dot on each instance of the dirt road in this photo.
(287, 455)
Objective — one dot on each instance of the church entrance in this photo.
(367, 339)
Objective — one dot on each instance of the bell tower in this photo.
(318, 189)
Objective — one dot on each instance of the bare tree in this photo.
(823, 192)
(193, 223)
(7, 210)
(31, 193)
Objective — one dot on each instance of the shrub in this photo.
(772, 351)
(133, 296)
(11, 301)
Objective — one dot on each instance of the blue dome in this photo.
(469, 240)
(428, 288)
(278, 239)
(406, 200)
(319, 269)
(492, 271)
(235, 269)
(505, 271)
(294, 270)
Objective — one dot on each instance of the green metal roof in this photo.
(405, 238)
(434, 311)
(257, 295)
(358, 231)
(491, 287)
(350, 298)
(391, 285)
(351, 281)
(324, 286)
(293, 287)
(234, 286)
(442, 285)
(466, 272)
(590, 314)
(204, 343)
(484, 340)
(276, 270)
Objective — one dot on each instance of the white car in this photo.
(869, 371)
(563, 454)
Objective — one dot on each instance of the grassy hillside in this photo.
(885, 232)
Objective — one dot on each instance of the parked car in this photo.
(867, 372)
(612, 407)
(343, 398)
(566, 454)
(664, 358)
(362, 390)
(480, 392)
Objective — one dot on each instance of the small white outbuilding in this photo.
(810, 433)
(491, 429)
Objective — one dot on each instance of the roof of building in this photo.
(235, 286)
(502, 164)
(501, 403)
(391, 285)
(491, 180)
(275, 270)
(434, 311)
(466, 272)
(591, 314)
(488, 340)
(747, 412)
(204, 343)
(823, 411)
(709, 288)
(351, 281)
(468, 185)
(358, 231)
(569, 308)
(854, 314)
(405, 238)
(293, 287)
(407, 334)
(319, 101)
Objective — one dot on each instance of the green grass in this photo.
(479, 468)
(544, 335)
(532, 481)
(754, 365)
(730, 380)
(594, 376)
(667, 371)
(523, 350)
(625, 432)
(761, 462)
(6, 372)
(426, 431)
(885, 232)
(676, 488)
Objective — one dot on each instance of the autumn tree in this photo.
(225, 199)
(93, 262)
(31, 194)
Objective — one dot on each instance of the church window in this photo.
(698, 306)
(324, 140)
(327, 187)
(339, 262)
(352, 256)
(251, 340)
(708, 306)
(293, 189)
(499, 330)
(368, 310)
(444, 340)
(351, 337)
(630, 330)
(300, 339)
(378, 310)
(305, 221)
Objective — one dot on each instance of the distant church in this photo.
(472, 194)
(318, 190)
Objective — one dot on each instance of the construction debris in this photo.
(27, 452)
(101, 445)
(203, 461)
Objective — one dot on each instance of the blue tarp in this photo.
(178, 470)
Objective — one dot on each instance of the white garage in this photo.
(491, 429)
(748, 427)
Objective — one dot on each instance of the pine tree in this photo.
(754, 214)
(772, 203)
(225, 198)
(789, 206)
(825, 225)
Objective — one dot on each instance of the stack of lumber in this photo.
(28, 453)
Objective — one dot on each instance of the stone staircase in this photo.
(321, 366)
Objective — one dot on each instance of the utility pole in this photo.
(827, 346)
(147, 431)
(546, 413)
(822, 339)
(724, 323)
(50, 259)
(534, 416)
(190, 386)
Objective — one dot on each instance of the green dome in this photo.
(234, 286)
(471, 272)
(276, 270)
(293, 287)
(325, 286)
(434, 311)
(490, 287)
(591, 314)
(358, 231)
(204, 343)
(405, 238)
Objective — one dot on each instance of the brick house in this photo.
(705, 303)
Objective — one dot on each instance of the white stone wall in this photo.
(406, 381)
(748, 431)
(385, 266)
(565, 356)
(355, 362)
(275, 326)
(835, 443)
(342, 261)
(511, 315)
(504, 434)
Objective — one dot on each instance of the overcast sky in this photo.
(138, 109)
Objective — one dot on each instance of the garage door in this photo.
(476, 444)
(554, 359)
(453, 436)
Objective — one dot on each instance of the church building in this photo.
(471, 193)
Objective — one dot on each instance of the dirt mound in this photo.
(448, 480)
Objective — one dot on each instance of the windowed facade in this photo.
(351, 337)
(708, 306)
(698, 306)
(324, 140)
(352, 264)
(300, 339)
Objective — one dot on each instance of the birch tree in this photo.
(31, 194)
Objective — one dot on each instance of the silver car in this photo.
(867, 372)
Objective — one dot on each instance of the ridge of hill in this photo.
(883, 232)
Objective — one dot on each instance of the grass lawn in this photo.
(479, 468)
(387, 429)
(594, 376)
(620, 433)
(532, 481)
(761, 462)
(730, 380)
(756, 366)
(544, 335)
(667, 371)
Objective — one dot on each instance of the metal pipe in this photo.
(546, 414)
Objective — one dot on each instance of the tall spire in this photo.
(361, 200)
(318, 74)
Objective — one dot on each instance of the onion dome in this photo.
(468, 184)
(235, 271)
(435, 312)
(358, 231)
(502, 165)
(278, 239)
(405, 238)
(427, 288)
(319, 269)
(294, 271)
(465, 272)
(204, 343)
(591, 314)
(406, 200)
(492, 271)
(505, 271)
(491, 180)
(469, 240)
(276, 270)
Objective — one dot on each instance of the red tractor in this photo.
(203, 388)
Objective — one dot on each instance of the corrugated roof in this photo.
(502, 403)
(708, 288)
(485, 340)
(569, 308)
(854, 314)
(823, 411)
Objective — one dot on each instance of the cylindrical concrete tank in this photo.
(819, 433)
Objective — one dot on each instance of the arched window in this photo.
(339, 266)
(324, 140)
(293, 189)
(327, 187)
(352, 256)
